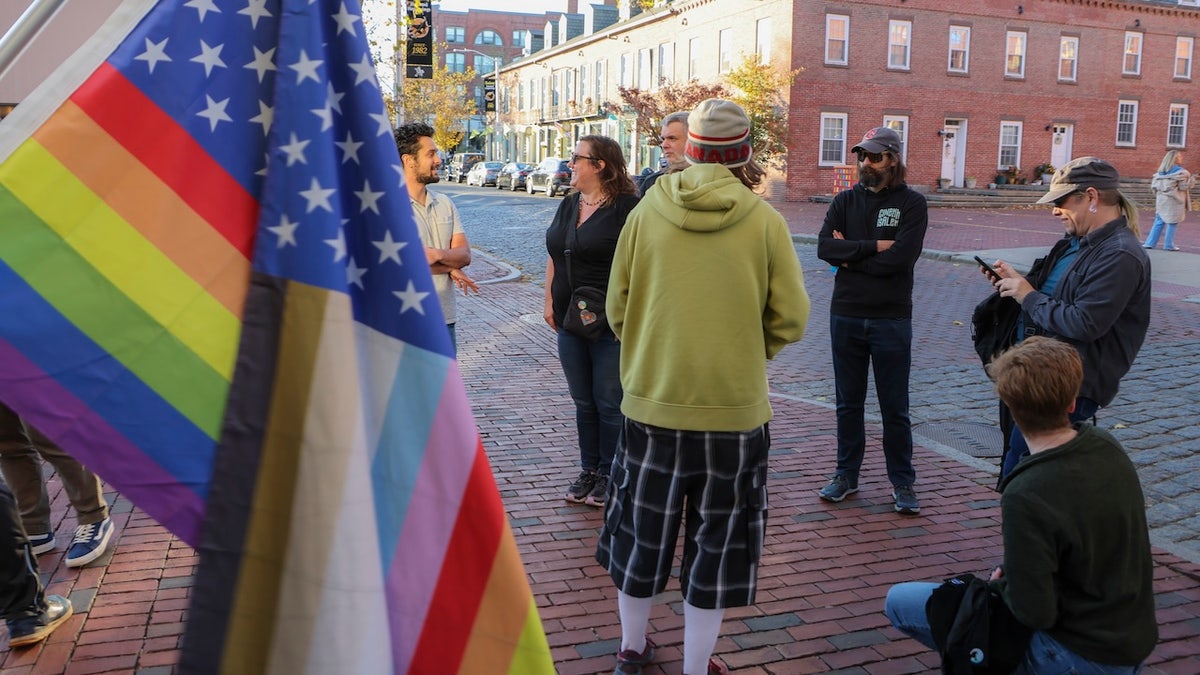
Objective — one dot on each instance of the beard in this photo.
(871, 177)
(429, 178)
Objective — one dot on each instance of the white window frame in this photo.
(1017, 129)
(899, 124)
(695, 49)
(842, 21)
(1132, 52)
(626, 69)
(843, 119)
(1063, 59)
(1127, 115)
(965, 50)
(645, 69)
(584, 84)
(1177, 121)
(899, 45)
(666, 62)
(725, 50)
(762, 39)
(1016, 46)
(601, 83)
(1183, 62)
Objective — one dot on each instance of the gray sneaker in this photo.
(838, 489)
(906, 500)
(599, 491)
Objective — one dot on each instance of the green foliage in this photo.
(759, 88)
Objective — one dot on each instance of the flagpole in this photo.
(28, 25)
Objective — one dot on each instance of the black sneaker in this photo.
(906, 500)
(582, 487)
(630, 662)
(31, 630)
(599, 491)
(838, 489)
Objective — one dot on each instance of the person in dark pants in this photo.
(873, 234)
(31, 615)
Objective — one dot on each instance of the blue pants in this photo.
(593, 372)
(885, 345)
(905, 608)
(1152, 238)
(1085, 409)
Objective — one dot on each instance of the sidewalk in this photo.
(825, 569)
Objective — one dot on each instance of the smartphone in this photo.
(987, 268)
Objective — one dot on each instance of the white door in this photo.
(954, 140)
(1060, 145)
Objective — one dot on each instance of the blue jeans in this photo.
(885, 344)
(1156, 228)
(593, 371)
(1085, 409)
(905, 608)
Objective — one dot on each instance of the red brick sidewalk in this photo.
(825, 569)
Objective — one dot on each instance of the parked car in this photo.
(551, 176)
(461, 164)
(484, 173)
(513, 176)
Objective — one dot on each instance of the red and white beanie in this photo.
(718, 133)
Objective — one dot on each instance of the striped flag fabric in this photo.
(216, 298)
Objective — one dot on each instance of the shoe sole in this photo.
(908, 511)
(96, 553)
(831, 498)
(43, 548)
(576, 500)
(592, 502)
(41, 633)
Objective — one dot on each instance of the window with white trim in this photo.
(601, 87)
(837, 39)
(762, 40)
(1127, 114)
(1068, 58)
(1014, 53)
(1183, 57)
(959, 59)
(1177, 125)
(626, 74)
(725, 50)
(1132, 64)
(695, 50)
(1010, 145)
(899, 44)
(833, 139)
(899, 124)
(584, 84)
(645, 77)
(666, 62)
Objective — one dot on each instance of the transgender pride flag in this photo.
(214, 296)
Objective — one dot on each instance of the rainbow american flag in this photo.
(215, 297)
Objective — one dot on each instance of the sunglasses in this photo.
(575, 158)
(872, 157)
(1062, 201)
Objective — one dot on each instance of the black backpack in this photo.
(994, 321)
(975, 632)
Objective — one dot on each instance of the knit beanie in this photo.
(718, 133)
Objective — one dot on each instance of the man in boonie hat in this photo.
(873, 235)
(1092, 290)
(715, 266)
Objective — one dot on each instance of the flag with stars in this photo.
(216, 298)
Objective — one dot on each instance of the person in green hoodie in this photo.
(1077, 564)
(705, 287)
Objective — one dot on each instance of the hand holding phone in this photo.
(988, 268)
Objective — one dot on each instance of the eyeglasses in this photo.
(1062, 201)
(575, 158)
(872, 157)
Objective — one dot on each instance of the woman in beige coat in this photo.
(1170, 185)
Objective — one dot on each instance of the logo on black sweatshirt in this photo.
(888, 218)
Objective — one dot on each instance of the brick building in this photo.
(991, 85)
(981, 87)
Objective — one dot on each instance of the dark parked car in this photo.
(484, 173)
(513, 176)
(551, 176)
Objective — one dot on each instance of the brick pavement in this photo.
(825, 569)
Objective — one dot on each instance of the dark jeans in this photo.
(885, 345)
(20, 585)
(593, 371)
(1085, 409)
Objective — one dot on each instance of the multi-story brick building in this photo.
(978, 87)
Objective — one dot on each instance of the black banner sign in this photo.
(418, 58)
(489, 93)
